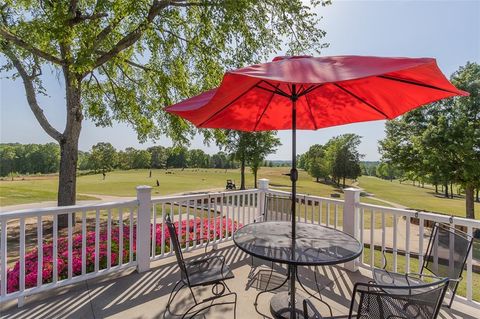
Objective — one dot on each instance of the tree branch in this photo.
(79, 17)
(134, 35)
(24, 45)
(31, 96)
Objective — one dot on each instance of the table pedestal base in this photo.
(280, 305)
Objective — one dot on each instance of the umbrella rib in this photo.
(361, 100)
(311, 113)
(310, 89)
(391, 78)
(230, 103)
(275, 90)
(265, 109)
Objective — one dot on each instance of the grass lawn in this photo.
(123, 183)
(415, 197)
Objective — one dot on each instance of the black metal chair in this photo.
(419, 302)
(207, 271)
(446, 255)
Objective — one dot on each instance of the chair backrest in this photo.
(447, 252)
(394, 302)
(176, 246)
(277, 208)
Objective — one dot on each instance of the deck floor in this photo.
(142, 296)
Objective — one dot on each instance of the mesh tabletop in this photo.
(314, 244)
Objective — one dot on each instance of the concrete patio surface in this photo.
(141, 296)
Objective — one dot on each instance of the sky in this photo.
(446, 30)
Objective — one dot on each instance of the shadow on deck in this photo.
(140, 296)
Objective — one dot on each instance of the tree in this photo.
(236, 144)
(260, 144)
(103, 157)
(123, 60)
(315, 162)
(7, 160)
(159, 155)
(440, 143)
(198, 158)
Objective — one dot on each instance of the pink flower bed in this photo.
(210, 229)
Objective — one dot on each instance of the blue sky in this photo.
(446, 30)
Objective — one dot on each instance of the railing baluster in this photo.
(130, 236)
(210, 217)
(215, 217)
(109, 238)
(84, 241)
(39, 251)
(97, 240)
(195, 221)
(395, 226)
(407, 244)
(187, 229)
(70, 246)
(22, 255)
(55, 248)
(227, 218)
(328, 214)
(469, 268)
(320, 204)
(3, 259)
(362, 226)
(120, 236)
(383, 230)
(244, 198)
(305, 210)
(180, 213)
(221, 217)
(154, 230)
(335, 217)
(420, 243)
(162, 244)
(372, 244)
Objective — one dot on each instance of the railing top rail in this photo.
(425, 215)
(162, 199)
(55, 210)
(314, 197)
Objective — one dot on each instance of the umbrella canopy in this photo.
(331, 91)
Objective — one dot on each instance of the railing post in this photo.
(350, 219)
(144, 197)
(263, 188)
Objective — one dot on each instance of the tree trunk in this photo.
(343, 182)
(478, 193)
(69, 149)
(451, 189)
(446, 189)
(255, 178)
(242, 175)
(318, 180)
(436, 189)
(469, 205)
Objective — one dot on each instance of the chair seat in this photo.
(387, 278)
(207, 271)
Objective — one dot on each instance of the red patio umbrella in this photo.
(309, 93)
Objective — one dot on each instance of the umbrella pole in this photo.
(293, 178)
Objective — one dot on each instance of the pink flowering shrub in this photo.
(197, 229)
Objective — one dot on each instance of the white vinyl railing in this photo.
(408, 231)
(112, 236)
(90, 238)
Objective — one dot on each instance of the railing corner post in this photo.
(263, 185)
(350, 219)
(144, 197)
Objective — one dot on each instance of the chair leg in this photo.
(212, 299)
(172, 296)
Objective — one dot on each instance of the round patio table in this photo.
(314, 245)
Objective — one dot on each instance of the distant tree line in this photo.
(29, 158)
(337, 160)
(440, 144)
(24, 159)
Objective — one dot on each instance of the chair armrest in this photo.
(307, 308)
